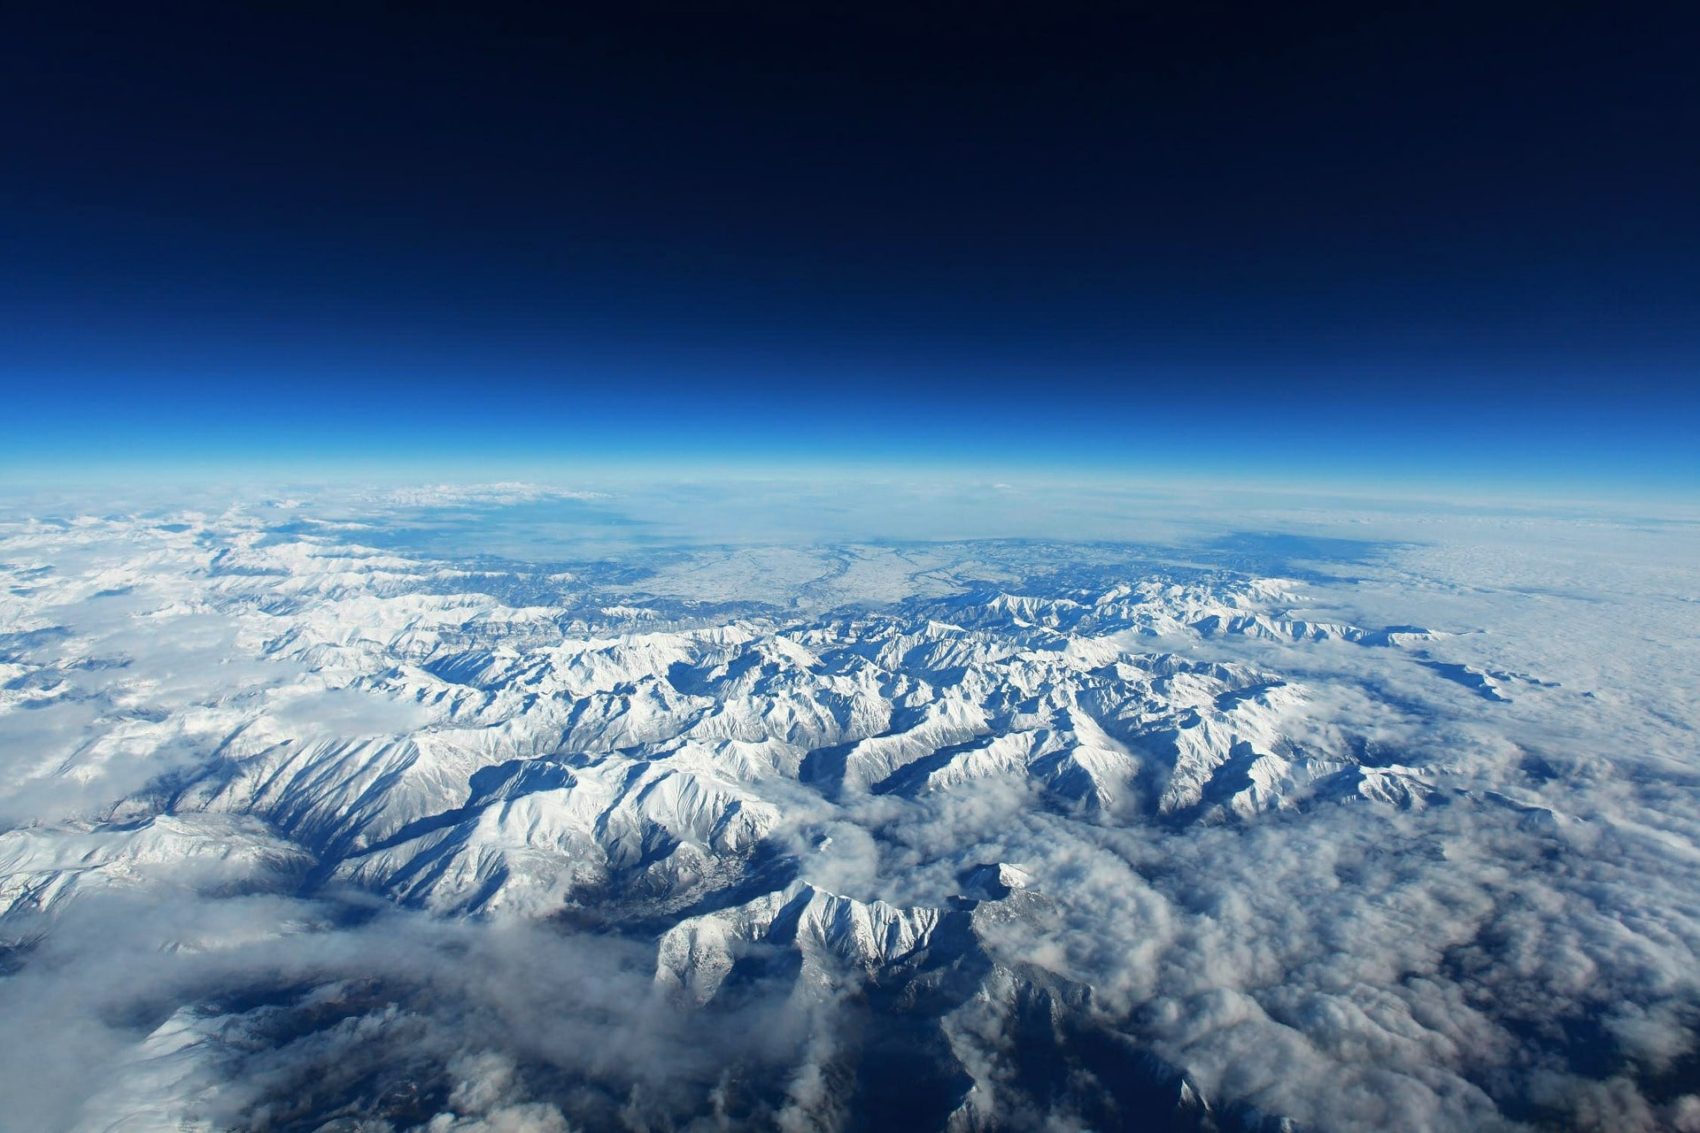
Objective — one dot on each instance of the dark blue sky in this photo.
(1420, 243)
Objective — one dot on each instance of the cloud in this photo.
(502, 494)
(266, 1008)
(1519, 949)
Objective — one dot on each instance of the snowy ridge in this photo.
(773, 802)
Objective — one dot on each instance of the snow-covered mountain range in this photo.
(970, 836)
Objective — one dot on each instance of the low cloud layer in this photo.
(294, 830)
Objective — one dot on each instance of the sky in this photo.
(1437, 246)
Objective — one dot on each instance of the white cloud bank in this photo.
(294, 831)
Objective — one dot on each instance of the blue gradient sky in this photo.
(1419, 247)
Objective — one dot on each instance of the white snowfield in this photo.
(1259, 846)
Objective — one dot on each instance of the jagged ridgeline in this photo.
(582, 846)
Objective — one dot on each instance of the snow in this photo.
(1260, 820)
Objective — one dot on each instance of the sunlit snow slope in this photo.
(295, 829)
